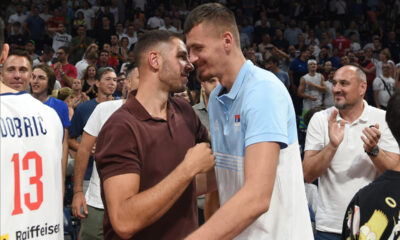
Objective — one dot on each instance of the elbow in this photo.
(123, 230)
(261, 204)
(308, 177)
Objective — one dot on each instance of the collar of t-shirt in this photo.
(363, 117)
(137, 109)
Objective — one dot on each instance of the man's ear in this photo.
(228, 40)
(4, 53)
(154, 59)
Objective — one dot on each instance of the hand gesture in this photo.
(336, 131)
(372, 136)
(313, 98)
(78, 202)
(199, 158)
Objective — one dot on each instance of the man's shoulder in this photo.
(86, 105)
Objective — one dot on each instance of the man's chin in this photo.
(340, 105)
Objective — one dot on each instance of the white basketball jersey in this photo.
(31, 137)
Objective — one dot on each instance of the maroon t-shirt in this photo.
(131, 141)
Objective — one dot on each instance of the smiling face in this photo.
(347, 87)
(206, 50)
(175, 67)
(17, 72)
(107, 83)
(39, 81)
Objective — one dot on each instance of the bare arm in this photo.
(384, 160)
(292, 86)
(73, 143)
(261, 161)
(64, 159)
(67, 80)
(369, 70)
(300, 90)
(206, 182)
(131, 210)
(376, 99)
(211, 204)
(81, 162)
(315, 162)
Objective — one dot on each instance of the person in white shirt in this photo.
(168, 26)
(19, 16)
(383, 87)
(30, 153)
(155, 22)
(60, 36)
(91, 202)
(347, 147)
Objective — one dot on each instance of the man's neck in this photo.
(101, 97)
(6, 89)
(41, 96)
(227, 78)
(153, 98)
(353, 113)
(311, 73)
(275, 70)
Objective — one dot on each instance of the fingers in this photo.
(371, 137)
(332, 118)
(79, 203)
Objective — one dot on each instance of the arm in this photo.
(261, 161)
(292, 86)
(281, 53)
(211, 204)
(64, 158)
(131, 210)
(73, 143)
(315, 162)
(369, 70)
(322, 87)
(206, 182)
(384, 160)
(81, 162)
(67, 79)
(300, 90)
(376, 99)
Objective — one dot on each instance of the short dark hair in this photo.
(47, 49)
(151, 39)
(130, 68)
(393, 115)
(273, 59)
(51, 76)
(20, 53)
(65, 49)
(104, 51)
(103, 70)
(216, 14)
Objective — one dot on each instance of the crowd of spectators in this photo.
(103, 33)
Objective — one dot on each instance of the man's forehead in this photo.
(15, 60)
(180, 45)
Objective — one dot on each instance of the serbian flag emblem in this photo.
(237, 120)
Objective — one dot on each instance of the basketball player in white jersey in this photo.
(30, 164)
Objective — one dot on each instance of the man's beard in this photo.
(341, 106)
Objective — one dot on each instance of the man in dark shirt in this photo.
(146, 153)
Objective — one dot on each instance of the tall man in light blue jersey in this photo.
(253, 129)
